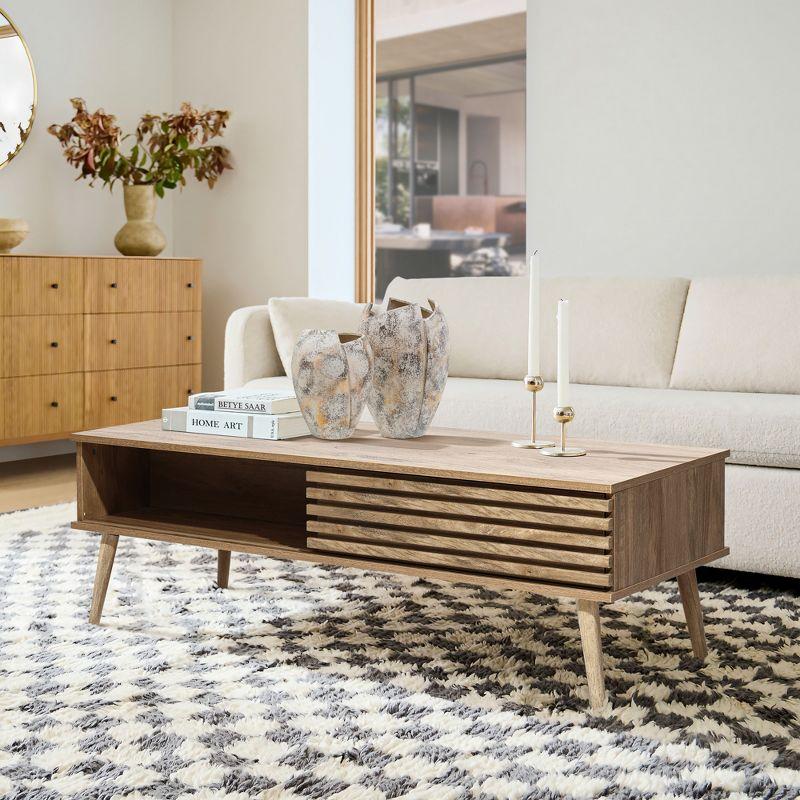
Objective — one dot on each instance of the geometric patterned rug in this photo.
(305, 681)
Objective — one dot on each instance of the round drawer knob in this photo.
(54, 404)
(190, 286)
(53, 344)
(113, 341)
(114, 285)
(188, 338)
(189, 391)
(113, 398)
(54, 286)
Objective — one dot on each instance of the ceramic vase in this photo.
(140, 236)
(331, 373)
(410, 347)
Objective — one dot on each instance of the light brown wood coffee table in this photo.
(453, 505)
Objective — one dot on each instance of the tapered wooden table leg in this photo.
(105, 562)
(223, 568)
(690, 596)
(589, 624)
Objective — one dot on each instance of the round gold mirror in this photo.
(17, 90)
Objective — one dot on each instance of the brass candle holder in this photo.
(534, 384)
(564, 415)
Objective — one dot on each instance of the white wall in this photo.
(115, 55)
(663, 137)
(252, 228)
(331, 149)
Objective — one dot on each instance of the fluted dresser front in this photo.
(90, 341)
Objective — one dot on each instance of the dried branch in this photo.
(165, 147)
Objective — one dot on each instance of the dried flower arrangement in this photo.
(164, 147)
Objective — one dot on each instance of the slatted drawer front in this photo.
(544, 536)
(41, 285)
(43, 404)
(45, 345)
(131, 395)
(128, 341)
(142, 284)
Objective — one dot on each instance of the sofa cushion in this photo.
(740, 334)
(290, 315)
(623, 330)
(759, 429)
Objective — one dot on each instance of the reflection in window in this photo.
(450, 144)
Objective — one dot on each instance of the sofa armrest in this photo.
(250, 350)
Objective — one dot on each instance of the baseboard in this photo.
(748, 580)
(23, 452)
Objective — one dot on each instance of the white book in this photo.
(226, 423)
(247, 401)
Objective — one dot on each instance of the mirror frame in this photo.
(25, 134)
(365, 151)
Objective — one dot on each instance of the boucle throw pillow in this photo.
(623, 331)
(740, 334)
(290, 315)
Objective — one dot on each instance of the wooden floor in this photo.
(37, 482)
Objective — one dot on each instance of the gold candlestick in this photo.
(564, 415)
(534, 384)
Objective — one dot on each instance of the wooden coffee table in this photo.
(454, 505)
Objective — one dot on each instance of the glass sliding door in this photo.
(449, 143)
(393, 163)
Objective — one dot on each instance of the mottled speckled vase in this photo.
(331, 374)
(410, 347)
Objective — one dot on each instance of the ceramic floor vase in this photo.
(331, 373)
(410, 347)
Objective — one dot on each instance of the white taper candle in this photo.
(563, 353)
(533, 314)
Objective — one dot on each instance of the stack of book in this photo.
(244, 412)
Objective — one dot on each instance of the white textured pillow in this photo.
(740, 334)
(623, 331)
(290, 315)
(487, 319)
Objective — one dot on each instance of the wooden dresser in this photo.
(89, 341)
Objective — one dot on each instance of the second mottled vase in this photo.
(331, 373)
(410, 347)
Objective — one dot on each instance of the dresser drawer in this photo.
(45, 345)
(41, 285)
(558, 538)
(41, 405)
(141, 284)
(128, 341)
(121, 396)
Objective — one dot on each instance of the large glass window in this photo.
(450, 143)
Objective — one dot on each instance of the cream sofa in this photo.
(711, 362)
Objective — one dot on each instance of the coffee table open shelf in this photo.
(453, 505)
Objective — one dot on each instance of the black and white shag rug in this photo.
(303, 681)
